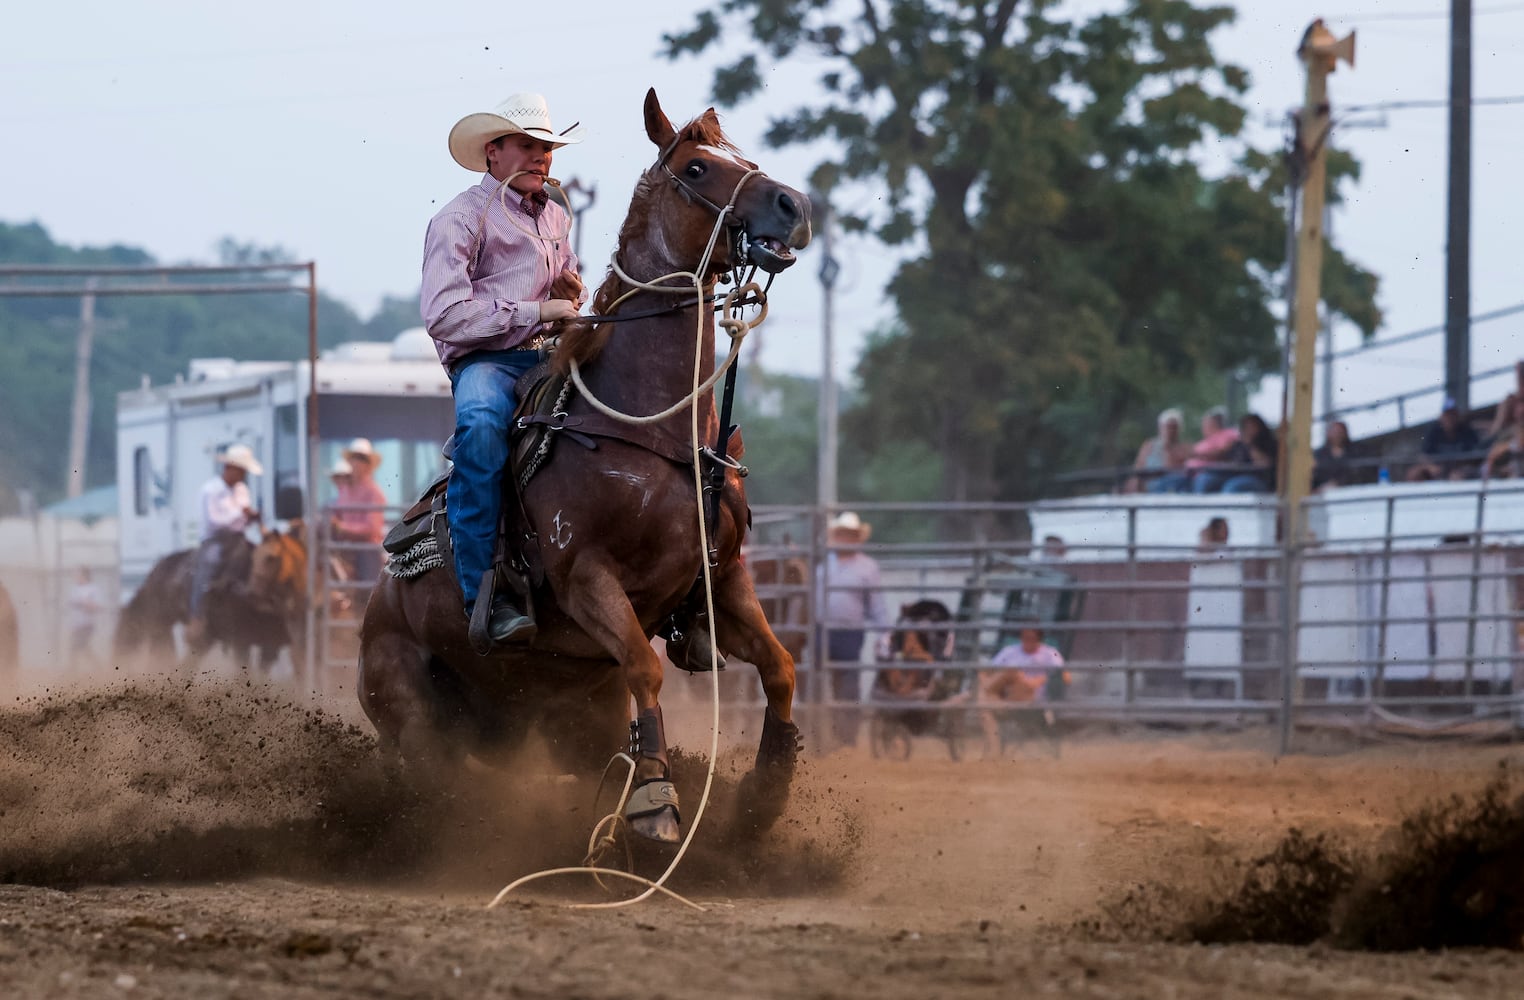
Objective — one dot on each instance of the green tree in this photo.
(1068, 256)
(138, 337)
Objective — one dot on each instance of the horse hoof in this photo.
(661, 826)
(652, 811)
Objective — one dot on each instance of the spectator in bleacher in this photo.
(1336, 461)
(1508, 414)
(1164, 452)
(1450, 448)
(1505, 453)
(1249, 466)
(1216, 444)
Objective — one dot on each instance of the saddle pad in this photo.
(422, 556)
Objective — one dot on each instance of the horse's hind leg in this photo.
(598, 603)
(396, 691)
(743, 631)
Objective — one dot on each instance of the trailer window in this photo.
(142, 480)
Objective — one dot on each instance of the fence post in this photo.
(1291, 596)
(1378, 683)
(1476, 570)
(1129, 692)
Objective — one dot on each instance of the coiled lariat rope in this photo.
(604, 835)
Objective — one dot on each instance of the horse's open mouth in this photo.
(770, 254)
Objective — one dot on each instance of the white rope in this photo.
(736, 328)
(617, 817)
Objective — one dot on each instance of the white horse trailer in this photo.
(168, 436)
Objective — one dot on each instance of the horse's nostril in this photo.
(786, 206)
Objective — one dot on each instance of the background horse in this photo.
(247, 606)
(783, 589)
(617, 523)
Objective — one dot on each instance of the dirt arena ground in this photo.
(214, 839)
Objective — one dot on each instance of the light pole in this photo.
(830, 270)
(589, 195)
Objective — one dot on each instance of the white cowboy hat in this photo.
(362, 448)
(341, 468)
(525, 113)
(848, 521)
(242, 456)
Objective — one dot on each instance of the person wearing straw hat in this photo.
(359, 509)
(853, 599)
(227, 510)
(498, 271)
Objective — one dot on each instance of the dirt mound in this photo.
(1448, 876)
(1452, 877)
(179, 783)
(1286, 896)
(155, 782)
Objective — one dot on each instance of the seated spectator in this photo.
(1214, 536)
(1449, 448)
(1034, 673)
(1336, 462)
(1505, 455)
(1165, 452)
(1509, 412)
(1250, 463)
(1217, 441)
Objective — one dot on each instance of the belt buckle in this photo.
(534, 343)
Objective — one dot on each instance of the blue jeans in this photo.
(1171, 482)
(1207, 481)
(483, 384)
(1247, 482)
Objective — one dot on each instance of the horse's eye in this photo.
(695, 169)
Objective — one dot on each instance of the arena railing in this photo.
(1402, 614)
(1167, 632)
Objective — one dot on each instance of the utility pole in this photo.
(589, 193)
(830, 270)
(1320, 53)
(79, 425)
(1328, 335)
(1458, 230)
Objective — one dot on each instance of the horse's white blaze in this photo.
(722, 154)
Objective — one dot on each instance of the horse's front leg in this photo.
(742, 630)
(596, 601)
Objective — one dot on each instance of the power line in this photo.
(1418, 15)
(1434, 103)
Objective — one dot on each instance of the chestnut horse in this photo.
(256, 602)
(617, 523)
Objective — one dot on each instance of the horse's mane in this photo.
(582, 340)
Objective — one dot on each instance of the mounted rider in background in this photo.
(227, 510)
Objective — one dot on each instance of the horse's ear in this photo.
(298, 530)
(658, 127)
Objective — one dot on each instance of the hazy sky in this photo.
(321, 127)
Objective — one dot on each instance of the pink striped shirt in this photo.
(498, 308)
